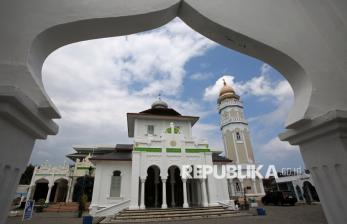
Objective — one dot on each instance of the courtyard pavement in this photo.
(300, 214)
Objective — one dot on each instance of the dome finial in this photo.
(159, 103)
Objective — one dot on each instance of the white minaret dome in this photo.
(159, 104)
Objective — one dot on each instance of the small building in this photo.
(301, 185)
(63, 183)
(50, 183)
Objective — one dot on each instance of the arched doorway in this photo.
(310, 193)
(299, 192)
(153, 188)
(174, 188)
(83, 185)
(41, 190)
(59, 191)
(194, 191)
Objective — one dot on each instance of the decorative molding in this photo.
(19, 108)
(332, 122)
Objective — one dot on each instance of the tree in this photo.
(27, 175)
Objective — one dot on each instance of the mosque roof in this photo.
(83, 151)
(115, 155)
(161, 112)
(158, 111)
(216, 157)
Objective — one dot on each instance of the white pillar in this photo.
(323, 145)
(231, 187)
(261, 186)
(142, 203)
(68, 191)
(185, 196)
(49, 193)
(164, 205)
(30, 191)
(242, 187)
(204, 193)
(255, 191)
(135, 198)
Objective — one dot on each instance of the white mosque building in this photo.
(147, 173)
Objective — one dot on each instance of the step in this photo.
(200, 214)
(170, 209)
(169, 212)
(178, 218)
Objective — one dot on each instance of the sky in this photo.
(95, 83)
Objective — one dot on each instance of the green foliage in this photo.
(41, 201)
(26, 176)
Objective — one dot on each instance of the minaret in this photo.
(234, 127)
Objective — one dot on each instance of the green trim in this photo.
(173, 149)
(83, 168)
(197, 150)
(140, 149)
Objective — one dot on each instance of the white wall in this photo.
(102, 182)
(160, 127)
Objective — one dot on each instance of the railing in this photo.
(113, 209)
(230, 205)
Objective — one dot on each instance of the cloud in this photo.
(200, 76)
(95, 83)
(260, 86)
(276, 149)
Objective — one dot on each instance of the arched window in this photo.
(238, 136)
(237, 186)
(115, 184)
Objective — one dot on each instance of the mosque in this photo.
(147, 173)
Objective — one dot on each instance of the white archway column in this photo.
(204, 192)
(261, 186)
(50, 186)
(323, 145)
(30, 192)
(242, 187)
(255, 190)
(231, 187)
(142, 203)
(135, 197)
(185, 195)
(164, 205)
(68, 191)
